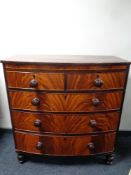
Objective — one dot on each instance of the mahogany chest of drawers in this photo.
(65, 105)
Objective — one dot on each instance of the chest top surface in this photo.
(65, 59)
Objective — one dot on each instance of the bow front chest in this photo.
(65, 105)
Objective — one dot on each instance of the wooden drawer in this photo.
(34, 80)
(65, 102)
(65, 145)
(65, 123)
(96, 81)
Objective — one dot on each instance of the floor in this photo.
(58, 166)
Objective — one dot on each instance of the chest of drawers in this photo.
(65, 105)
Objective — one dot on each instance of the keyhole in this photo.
(97, 76)
(65, 96)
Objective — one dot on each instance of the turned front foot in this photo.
(21, 158)
(110, 158)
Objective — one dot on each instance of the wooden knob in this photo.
(36, 101)
(98, 82)
(33, 83)
(37, 123)
(95, 101)
(93, 123)
(91, 146)
(39, 146)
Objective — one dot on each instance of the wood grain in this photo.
(85, 81)
(46, 81)
(55, 67)
(65, 123)
(65, 114)
(67, 59)
(65, 102)
(65, 145)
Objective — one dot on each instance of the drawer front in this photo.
(65, 102)
(65, 123)
(65, 145)
(96, 81)
(38, 81)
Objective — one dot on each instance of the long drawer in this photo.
(63, 145)
(65, 102)
(35, 80)
(65, 123)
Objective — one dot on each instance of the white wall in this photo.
(65, 27)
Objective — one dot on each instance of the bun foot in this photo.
(21, 158)
(110, 158)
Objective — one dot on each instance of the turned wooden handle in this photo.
(98, 82)
(93, 123)
(33, 83)
(91, 146)
(95, 101)
(37, 123)
(39, 146)
(36, 101)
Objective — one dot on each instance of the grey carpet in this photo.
(63, 166)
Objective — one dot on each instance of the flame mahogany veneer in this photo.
(65, 105)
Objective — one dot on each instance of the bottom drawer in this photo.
(65, 145)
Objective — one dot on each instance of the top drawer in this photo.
(96, 81)
(36, 80)
(74, 81)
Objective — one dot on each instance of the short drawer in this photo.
(65, 123)
(58, 102)
(35, 80)
(65, 145)
(96, 81)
